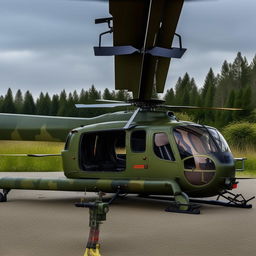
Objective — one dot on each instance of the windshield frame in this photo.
(194, 139)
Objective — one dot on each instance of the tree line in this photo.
(235, 86)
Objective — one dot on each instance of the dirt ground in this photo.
(46, 223)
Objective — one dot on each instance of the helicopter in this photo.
(147, 151)
(194, 160)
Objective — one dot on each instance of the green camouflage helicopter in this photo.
(147, 151)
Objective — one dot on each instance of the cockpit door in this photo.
(138, 153)
(162, 160)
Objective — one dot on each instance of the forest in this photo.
(235, 86)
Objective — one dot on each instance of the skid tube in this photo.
(244, 205)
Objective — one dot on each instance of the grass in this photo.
(250, 163)
(30, 164)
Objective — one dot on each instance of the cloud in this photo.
(48, 45)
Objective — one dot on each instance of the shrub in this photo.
(241, 135)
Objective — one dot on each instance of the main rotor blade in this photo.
(111, 101)
(128, 124)
(114, 105)
(203, 108)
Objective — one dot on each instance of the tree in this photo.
(62, 104)
(182, 89)
(54, 105)
(208, 90)
(240, 71)
(29, 104)
(224, 85)
(8, 104)
(227, 116)
(194, 94)
(43, 104)
(169, 97)
(18, 101)
(94, 94)
(1, 102)
(107, 95)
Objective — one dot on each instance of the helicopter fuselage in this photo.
(144, 158)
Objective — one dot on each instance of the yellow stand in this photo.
(93, 252)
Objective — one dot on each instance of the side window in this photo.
(138, 141)
(162, 147)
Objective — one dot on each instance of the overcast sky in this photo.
(47, 45)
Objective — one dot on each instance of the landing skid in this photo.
(233, 200)
(176, 207)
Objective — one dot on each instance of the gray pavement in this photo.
(46, 223)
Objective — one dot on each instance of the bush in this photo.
(241, 135)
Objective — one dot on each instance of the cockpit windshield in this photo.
(200, 140)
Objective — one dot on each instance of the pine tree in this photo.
(40, 105)
(75, 97)
(227, 116)
(29, 104)
(8, 104)
(94, 94)
(54, 105)
(1, 102)
(84, 97)
(240, 71)
(169, 97)
(107, 95)
(182, 89)
(194, 94)
(247, 102)
(238, 104)
(208, 90)
(70, 107)
(120, 95)
(224, 85)
(18, 101)
(43, 104)
(62, 104)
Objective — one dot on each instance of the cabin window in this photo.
(103, 151)
(138, 141)
(162, 147)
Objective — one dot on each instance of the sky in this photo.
(47, 45)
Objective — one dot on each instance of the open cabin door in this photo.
(103, 151)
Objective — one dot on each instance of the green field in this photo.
(250, 163)
(32, 164)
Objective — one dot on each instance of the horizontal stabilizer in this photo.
(116, 50)
(167, 53)
(127, 50)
